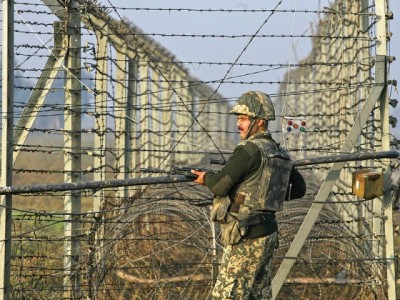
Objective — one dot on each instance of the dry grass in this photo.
(44, 168)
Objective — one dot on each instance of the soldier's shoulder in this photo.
(249, 146)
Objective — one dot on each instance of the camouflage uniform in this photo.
(249, 190)
(245, 271)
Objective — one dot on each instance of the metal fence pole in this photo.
(330, 180)
(72, 157)
(6, 145)
(122, 148)
(388, 243)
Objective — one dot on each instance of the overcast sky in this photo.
(241, 50)
(280, 50)
(277, 50)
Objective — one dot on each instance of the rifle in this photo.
(181, 174)
(185, 171)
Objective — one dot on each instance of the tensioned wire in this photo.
(195, 117)
(220, 83)
(92, 91)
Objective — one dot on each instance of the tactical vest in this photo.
(264, 190)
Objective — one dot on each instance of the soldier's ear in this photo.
(261, 123)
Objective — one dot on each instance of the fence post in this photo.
(72, 156)
(330, 180)
(100, 143)
(166, 118)
(388, 243)
(6, 145)
(100, 140)
(122, 146)
(132, 127)
(144, 111)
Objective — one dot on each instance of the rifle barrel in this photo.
(92, 185)
(96, 185)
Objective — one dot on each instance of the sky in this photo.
(278, 50)
(241, 50)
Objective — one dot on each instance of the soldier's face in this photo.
(243, 125)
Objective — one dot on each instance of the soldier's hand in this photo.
(200, 176)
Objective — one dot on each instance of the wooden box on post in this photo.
(367, 184)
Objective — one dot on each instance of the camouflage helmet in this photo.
(254, 104)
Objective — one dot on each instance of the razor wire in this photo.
(161, 243)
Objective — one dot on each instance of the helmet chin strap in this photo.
(250, 128)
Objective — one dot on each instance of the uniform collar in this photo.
(259, 135)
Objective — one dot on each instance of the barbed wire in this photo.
(176, 119)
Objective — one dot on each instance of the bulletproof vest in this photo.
(264, 190)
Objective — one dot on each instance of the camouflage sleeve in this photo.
(245, 160)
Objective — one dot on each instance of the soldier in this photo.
(248, 191)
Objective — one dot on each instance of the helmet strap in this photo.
(253, 121)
